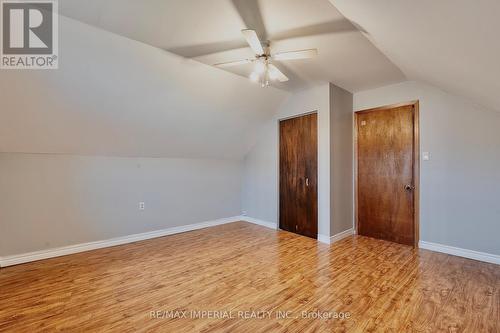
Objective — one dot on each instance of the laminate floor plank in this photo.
(241, 268)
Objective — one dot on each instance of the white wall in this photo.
(260, 175)
(48, 201)
(460, 185)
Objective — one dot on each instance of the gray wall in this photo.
(127, 99)
(341, 160)
(48, 201)
(260, 177)
(335, 155)
(460, 185)
(113, 96)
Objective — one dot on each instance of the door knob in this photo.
(409, 187)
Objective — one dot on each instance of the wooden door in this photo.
(299, 175)
(386, 173)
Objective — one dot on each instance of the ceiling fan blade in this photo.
(332, 27)
(233, 63)
(253, 41)
(251, 15)
(293, 55)
(276, 74)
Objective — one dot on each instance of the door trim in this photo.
(278, 121)
(416, 162)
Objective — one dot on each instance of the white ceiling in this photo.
(116, 96)
(209, 31)
(451, 44)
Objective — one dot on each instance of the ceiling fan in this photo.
(265, 71)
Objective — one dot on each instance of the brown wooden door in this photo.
(299, 175)
(386, 184)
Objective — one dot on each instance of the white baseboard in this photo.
(456, 251)
(323, 239)
(342, 235)
(62, 251)
(335, 238)
(266, 224)
(72, 249)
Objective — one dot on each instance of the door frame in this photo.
(416, 163)
(279, 120)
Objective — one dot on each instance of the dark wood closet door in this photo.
(299, 175)
(385, 174)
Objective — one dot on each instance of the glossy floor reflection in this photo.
(246, 278)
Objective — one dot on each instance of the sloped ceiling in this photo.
(451, 44)
(209, 31)
(115, 96)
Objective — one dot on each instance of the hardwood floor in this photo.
(384, 287)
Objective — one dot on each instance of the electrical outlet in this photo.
(141, 206)
(244, 213)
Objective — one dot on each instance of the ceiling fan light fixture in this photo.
(273, 75)
(254, 77)
(260, 67)
(264, 69)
